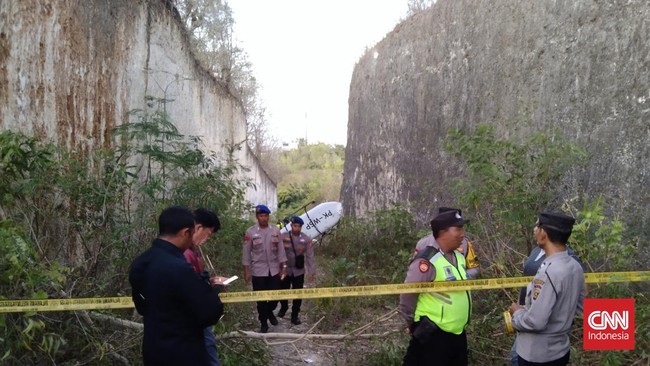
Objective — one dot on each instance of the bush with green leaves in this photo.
(310, 172)
(88, 216)
(24, 274)
(506, 183)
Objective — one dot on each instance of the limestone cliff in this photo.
(580, 66)
(70, 70)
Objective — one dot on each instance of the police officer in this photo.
(531, 265)
(466, 248)
(296, 245)
(437, 320)
(265, 261)
(552, 298)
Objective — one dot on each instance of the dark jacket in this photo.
(176, 305)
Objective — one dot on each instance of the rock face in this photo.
(580, 66)
(71, 70)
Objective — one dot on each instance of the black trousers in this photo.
(265, 308)
(562, 361)
(442, 348)
(292, 282)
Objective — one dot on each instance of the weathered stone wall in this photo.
(580, 66)
(70, 70)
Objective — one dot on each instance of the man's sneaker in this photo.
(264, 328)
(295, 320)
(282, 312)
(273, 320)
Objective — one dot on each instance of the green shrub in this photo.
(73, 223)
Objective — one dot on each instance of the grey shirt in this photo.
(552, 299)
(534, 260)
(302, 245)
(263, 251)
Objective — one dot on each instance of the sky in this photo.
(303, 53)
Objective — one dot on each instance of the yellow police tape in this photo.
(12, 306)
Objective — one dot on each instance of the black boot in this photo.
(282, 312)
(264, 328)
(272, 319)
(295, 320)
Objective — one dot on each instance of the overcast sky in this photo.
(303, 53)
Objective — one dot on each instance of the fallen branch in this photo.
(255, 335)
(297, 339)
(336, 337)
(380, 319)
(117, 321)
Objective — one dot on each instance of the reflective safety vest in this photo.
(449, 310)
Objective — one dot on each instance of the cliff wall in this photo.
(580, 66)
(70, 70)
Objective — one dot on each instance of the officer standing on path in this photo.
(264, 260)
(473, 268)
(300, 252)
(437, 320)
(552, 298)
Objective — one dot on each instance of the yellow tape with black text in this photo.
(12, 306)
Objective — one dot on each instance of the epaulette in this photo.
(425, 253)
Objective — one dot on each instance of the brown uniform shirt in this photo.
(302, 245)
(263, 251)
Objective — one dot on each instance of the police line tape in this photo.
(13, 306)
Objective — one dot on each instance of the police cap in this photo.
(447, 219)
(445, 209)
(556, 221)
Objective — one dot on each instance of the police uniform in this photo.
(531, 265)
(535, 260)
(466, 248)
(552, 299)
(302, 245)
(437, 320)
(263, 253)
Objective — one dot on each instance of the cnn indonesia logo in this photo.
(608, 324)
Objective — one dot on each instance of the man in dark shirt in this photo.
(176, 303)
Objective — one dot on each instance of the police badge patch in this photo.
(423, 266)
(537, 287)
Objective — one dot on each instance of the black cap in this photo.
(445, 209)
(556, 221)
(447, 219)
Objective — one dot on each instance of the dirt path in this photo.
(322, 351)
(303, 351)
